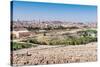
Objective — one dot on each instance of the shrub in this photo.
(16, 46)
(33, 41)
(62, 41)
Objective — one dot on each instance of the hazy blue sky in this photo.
(49, 11)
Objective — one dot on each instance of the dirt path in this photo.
(55, 54)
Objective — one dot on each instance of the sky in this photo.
(52, 11)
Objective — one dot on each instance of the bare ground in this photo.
(55, 54)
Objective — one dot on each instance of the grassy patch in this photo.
(16, 46)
